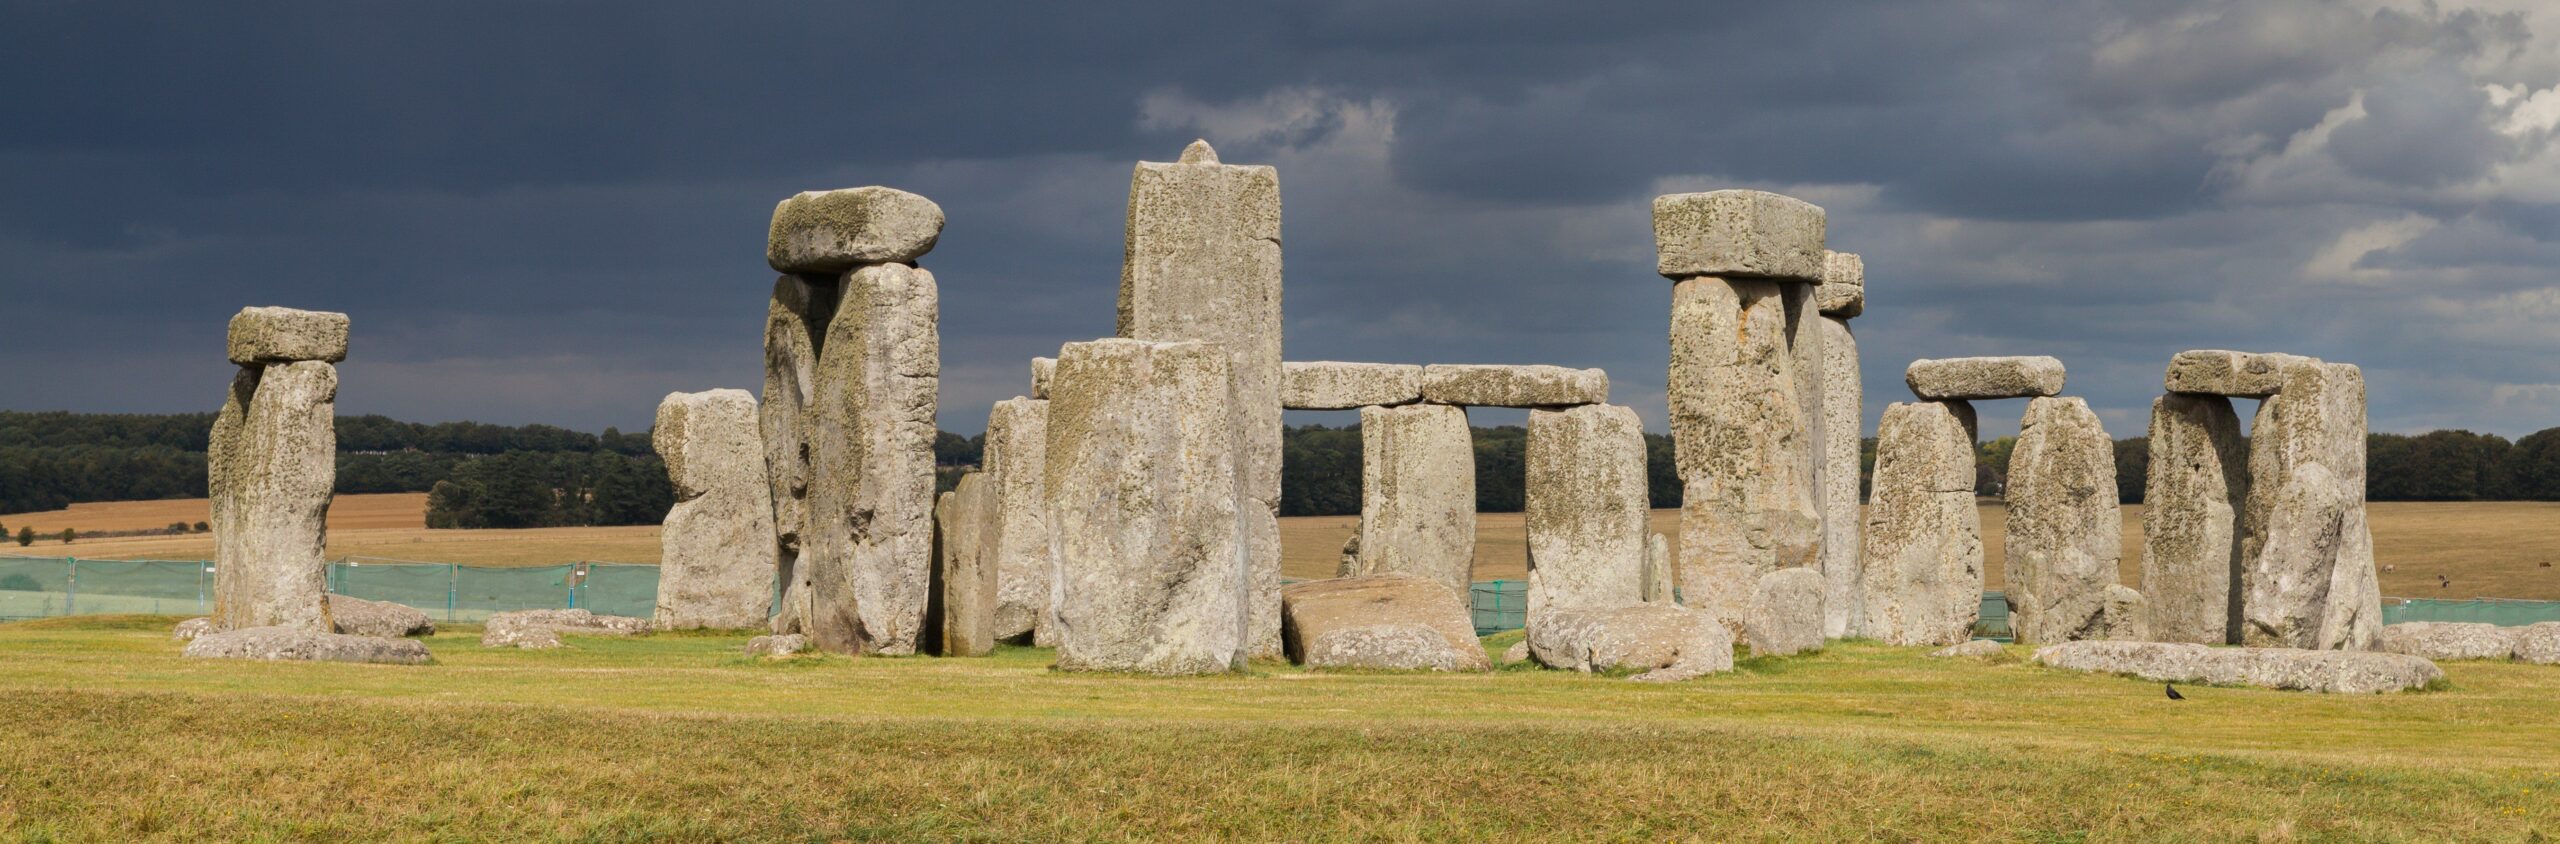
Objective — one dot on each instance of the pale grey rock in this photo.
(1965, 379)
(2287, 669)
(2307, 570)
(1743, 444)
(1417, 493)
(1786, 613)
(1495, 385)
(1202, 263)
(1737, 233)
(1042, 369)
(280, 642)
(717, 553)
(777, 646)
(1976, 649)
(2065, 532)
(1585, 508)
(837, 230)
(1921, 577)
(272, 462)
(1843, 523)
(520, 637)
(2442, 640)
(360, 617)
(1334, 385)
(1351, 565)
(1385, 621)
(2538, 643)
(1017, 449)
(866, 558)
(1142, 488)
(1668, 643)
(191, 628)
(2225, 373)
(1517, 653)
(285, 335)
(2123, 615)
(1659, 584)
(525, 628)
(795, 323)
(1843, 293)
(961, 518)
(2198, 477)
(1805, 362)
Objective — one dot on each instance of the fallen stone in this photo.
(1585, 509)
(542, 628)
(1333, 385)
(1517, 653)
(1977, 649)
(866, 559)
(1386, 621)
(294, 643)
(968, 580)
(1658, 580)
(523, 638)
(2065, 533)
(1486, 385)
(2538, 643)
(1737, 233)
(272, 463)
(360, 617)
(2225, 373)
(2288, 669)
(1417, 493)
(2307, 572)
(1843, 520)
(1742, 442)
(1667, 643)
(1966, 379)
(1843, 292)
(1786, 613)
(2198, 477)
(716, 549)
(829, 232)
(1921, 576)
(2441, 640)
(777, 646)
(284, 335)
(1042, 369)
(1016, 456)
(796, 320)
(191, 628)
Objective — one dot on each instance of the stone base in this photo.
(1669, 643)
(360, 617)
(2288, 669)
(275, 643)
(1388, 621)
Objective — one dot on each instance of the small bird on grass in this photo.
(2173, 692)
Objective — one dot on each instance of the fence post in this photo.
(71, 586)
(452, 589)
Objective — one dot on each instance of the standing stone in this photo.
(1586, 504)
(1742, 443)
(867, 549)
(1018, 536)
(1203, 263)
(1786, 613)
(2198, 477)
(716, 544)
(1418, 493)
(1141, 481)
(1922, 576)
(1042, 369)
(795, 324)
(1841, 296)
(2066, 534)
(1659, 585)
(272, 462)
(2123, 616)
(1350, 565)
(2307, 555)
(968, 578)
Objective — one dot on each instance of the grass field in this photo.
(113, 737)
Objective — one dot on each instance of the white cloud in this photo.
(2339, 260)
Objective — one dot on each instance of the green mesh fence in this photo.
(1499, 605)
(2501, 612)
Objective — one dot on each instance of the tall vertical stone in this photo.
(1741, 439)
(1922, 576)
(1141, 482)
(1660, 586)
(1203, 263)
(1418, 493)
(2307, 554)
(1841, 296)
(968, 580)
(1586, 503)
(867, 547)
(2198, 477)
(1018, 538)
(2065, 532)
(795, 325)
(716, 561)
(272, 462)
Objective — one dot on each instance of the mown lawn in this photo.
(107, 735)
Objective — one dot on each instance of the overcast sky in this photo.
(556, 212)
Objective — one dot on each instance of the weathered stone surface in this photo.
(360, 617)
(1843, 293)
(2307, 570)
(1042, 369)
(1737, 233)
(2538, 643)
(1659, 583)
(1742, 441)
(716, 550)
(2442, 640)
(1417, 493)
(1385, 621)
(1334, 385)
(1922, 573)
(1843, 523)
(520, 637)
(1976, 649)
(2198, 476)
(286, 335)
(1018, 537)
(2122, 615)
(1964, 379)
(1585, 508)
(1517, 653)
(2225, 373)
(191, 628)
(297, 643)
(795, 323)
(1203, 263)
(1786, 613)
(1495, 385)
(272, 461)
(866, 560)
(2287, 669)
(777, 646)
(518, 627)
(969, 577)
(1668, 643)
(1351, 565)
(1805, 362)
(1142, 488)
(2065, 533)
(836, 230)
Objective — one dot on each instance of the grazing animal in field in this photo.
(2173, 692)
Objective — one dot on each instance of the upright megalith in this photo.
(1786, 614)
(1586, 508)
(1841, 296)
(1921, 579)
(852, 364)
(271, 464)
(1141, 482)
(1418, 493)
(1660, 584)
(717, 552)
(1017, 537)
(2308, 578)
(967, 578)
(1203, 263)
(2196, 482)
(2065, 532)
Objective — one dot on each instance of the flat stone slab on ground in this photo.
(2450, 640)
(1786, 613)
(360, 617)
(1485, 385)
(2288, 669)
(191, 628)
(1977, 649)
(541, 628)
(286, 335)
(827, 232)
(2538, 643)
(282, 643)
(524, 638)
(775, 646)
(2227, 373)
(1335, 385)
(1667, 642)
(1385, 621)
(1967, 379)
(1738, 233)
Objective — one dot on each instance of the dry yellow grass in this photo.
(389, 510)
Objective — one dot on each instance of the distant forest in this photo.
(479, 475)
